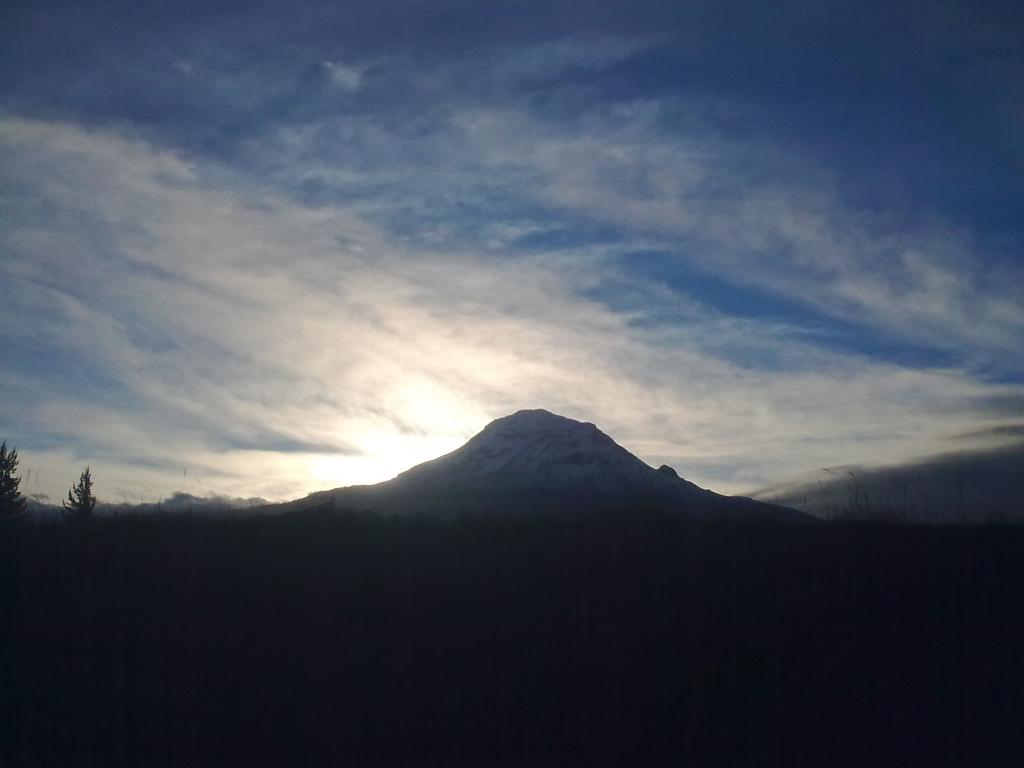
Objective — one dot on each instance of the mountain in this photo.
(536, 462)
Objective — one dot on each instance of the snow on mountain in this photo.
(533, 450)
(534, 461)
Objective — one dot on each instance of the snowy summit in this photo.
(533, 450)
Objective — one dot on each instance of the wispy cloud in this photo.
(977, 485)
(755, 215)
(346, 77)
(754, 212)
(272, 345)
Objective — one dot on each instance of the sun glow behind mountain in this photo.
(425, 421)
(386, 453)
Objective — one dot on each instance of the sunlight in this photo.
(427, 420)
(387, 454)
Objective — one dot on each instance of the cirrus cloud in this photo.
(165, 313)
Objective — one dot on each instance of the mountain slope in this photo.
(536, 462)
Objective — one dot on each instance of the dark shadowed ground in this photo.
(351, 640)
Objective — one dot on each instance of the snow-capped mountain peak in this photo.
(535, 449)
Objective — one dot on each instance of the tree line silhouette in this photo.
(78, 507)
(340, 638)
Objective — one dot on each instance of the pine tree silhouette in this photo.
(12, 503)
(80, 502)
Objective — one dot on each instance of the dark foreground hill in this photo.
(325, 639)
(537, 463)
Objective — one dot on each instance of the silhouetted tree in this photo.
(80, 502)
(12, 503)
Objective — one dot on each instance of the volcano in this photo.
(534, 462)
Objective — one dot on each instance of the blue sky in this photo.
(264, 250)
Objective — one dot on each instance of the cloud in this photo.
(668, 173)
(999, 432)
(344, 77)
(512, 65)
(1001, 405)
(757, 217)
(979, 485)
(203, 313)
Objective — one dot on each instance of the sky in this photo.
(266, 249)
